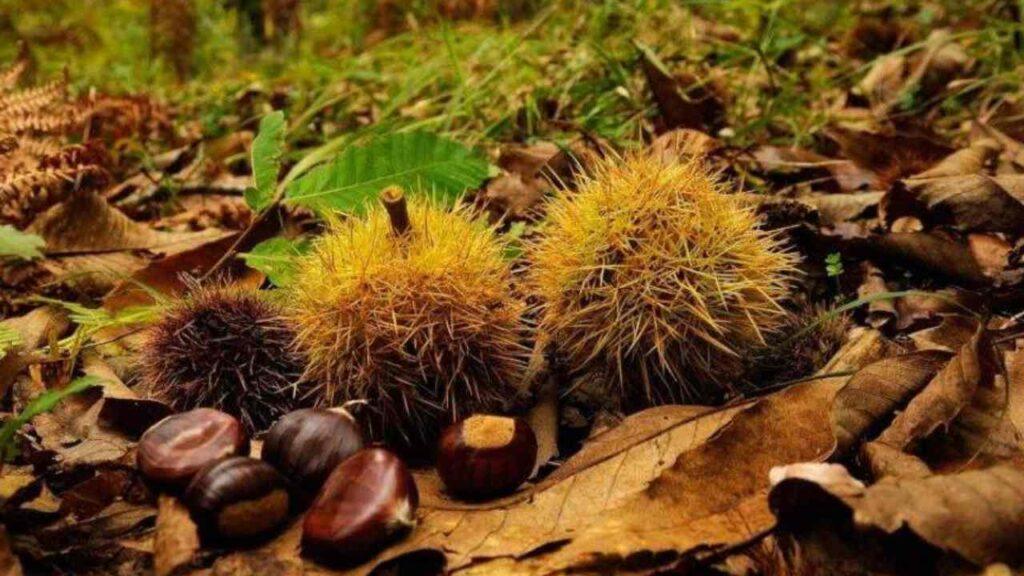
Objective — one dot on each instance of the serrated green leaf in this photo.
(17, 244)
(277, 258)
(267, 149)
(42, 404)
(418, 161)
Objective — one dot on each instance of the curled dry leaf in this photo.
(890, 155)
(876, 391)
(882, 311)
(978, 515)
(883, 460)
(971, 202)
(683, 99)
(945, 396)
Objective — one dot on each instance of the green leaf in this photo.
(9, 340)
(277, 258)
(267, 149)
(42, 404)
(17, 244)
(416, 161)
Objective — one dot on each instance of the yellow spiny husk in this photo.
(653, 275)
(424, 328)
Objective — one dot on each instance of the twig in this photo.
(393, 199)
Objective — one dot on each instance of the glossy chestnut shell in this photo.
(238, 498)
(486, 456)
(307, 445)
(175, 448)
(367, 502)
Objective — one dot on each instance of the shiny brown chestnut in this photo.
(307, 445)
(175, 448)
(367, 502)
(238, 498)
(485, 456)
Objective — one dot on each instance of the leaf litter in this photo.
(886, 152)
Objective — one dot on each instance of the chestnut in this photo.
(175, 448)
(485, 456)
(307, 445)
(367, 502)
(238, 498)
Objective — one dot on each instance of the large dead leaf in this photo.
(974, 202)
(945, 396)
(876, 391)
(978, 515)
(91, 244)
(683, 100)
(926, 252)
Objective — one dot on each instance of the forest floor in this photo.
(877, 428)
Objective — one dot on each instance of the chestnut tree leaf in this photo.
(267, 149)
(419, 162)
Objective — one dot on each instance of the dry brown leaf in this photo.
(9, 563)
(796, 165)
(978, 515)
(835, 208)
(34, 329)
(91, 245)
(882, 311)
(883, 460)
(876, 391)
(945, 396)
(684, 143)
(175, 538)
(891, 155)
(925, 309)
(952, 332)
(971, 202)
(683, 99)
(990, 428)
(927, 252)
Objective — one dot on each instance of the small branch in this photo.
(393, 199)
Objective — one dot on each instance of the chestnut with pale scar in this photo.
(174, 449)
(486, 456)
(238, 498)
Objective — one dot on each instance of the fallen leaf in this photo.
(91, 245)
(175, 538)
(945, 396)
(9, 563)
(881, 311)
(978, 515)
(683, 100)
(973, 202)
(883, 460)
(876, 391)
